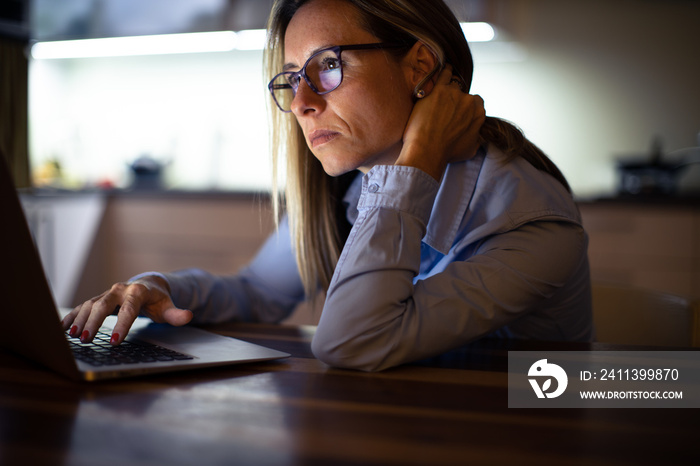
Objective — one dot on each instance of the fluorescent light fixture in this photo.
(197, 42)
(251, 39)
(478, 32)
(221, 41)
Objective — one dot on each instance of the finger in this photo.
(479, 102)
(478, 118)
(156, 310)
(69, 318)
(477, 110)
(460, 83)
(177, 317)
(73, 316)
(445, 75)
(80, 316)
(101, 308)
(135, 298)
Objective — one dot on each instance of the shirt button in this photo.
(373, 188)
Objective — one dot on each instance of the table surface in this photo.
(448, 410)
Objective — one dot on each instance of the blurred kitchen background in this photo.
(589, 82)
(607, 88)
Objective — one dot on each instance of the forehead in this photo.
(319, 24)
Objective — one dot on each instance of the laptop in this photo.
(32, 321)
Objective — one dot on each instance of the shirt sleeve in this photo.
(266, 290)
(377, 316)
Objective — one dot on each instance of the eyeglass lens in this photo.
(323, 74)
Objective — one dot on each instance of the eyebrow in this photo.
(289, 66)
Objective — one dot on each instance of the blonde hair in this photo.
(311, 198)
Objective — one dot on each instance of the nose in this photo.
(306, 100)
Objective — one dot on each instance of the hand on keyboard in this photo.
(149, 296)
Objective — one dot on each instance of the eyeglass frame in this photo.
(337, 49)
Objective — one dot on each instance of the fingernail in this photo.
(115, 339)
(85, 337)
(73, 331)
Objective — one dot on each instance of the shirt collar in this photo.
(452, 201)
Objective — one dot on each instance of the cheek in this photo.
(382, 115)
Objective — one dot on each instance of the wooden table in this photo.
(449, 410)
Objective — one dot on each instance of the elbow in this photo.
(349, 354)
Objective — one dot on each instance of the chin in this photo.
(336, 172)
(336, 166)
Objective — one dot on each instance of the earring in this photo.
(420, 94)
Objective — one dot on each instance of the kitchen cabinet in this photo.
(654, 244)
(218, 232)
(63, 227)
(165, 231)
(651, 245)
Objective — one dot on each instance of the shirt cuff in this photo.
(403, 188)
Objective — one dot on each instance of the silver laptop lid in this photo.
(33, 328)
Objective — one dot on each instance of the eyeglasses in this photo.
(323, 72)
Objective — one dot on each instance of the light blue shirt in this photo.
(495, 248)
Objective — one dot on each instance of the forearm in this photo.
(378, 315)
(241, 297)
(267, 290)
(373, 280)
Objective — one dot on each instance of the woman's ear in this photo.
(420, 63)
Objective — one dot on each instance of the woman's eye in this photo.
(331, 63)
(293, 80)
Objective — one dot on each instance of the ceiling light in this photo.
(198, 42)
(478, 32)
(251, 39)
(221, 41)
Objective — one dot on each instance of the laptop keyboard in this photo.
(101, 353)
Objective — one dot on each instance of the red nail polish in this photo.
(73, 331)
(85, 337)
(115, 339)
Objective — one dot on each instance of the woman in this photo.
(427, 224)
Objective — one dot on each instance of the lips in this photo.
(321, 136)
